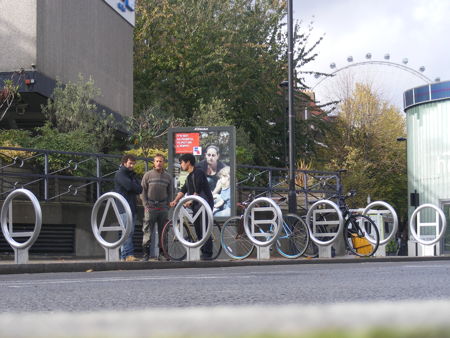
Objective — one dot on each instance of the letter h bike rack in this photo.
(181, 213)
(20, 249)
(426, 246)
(256, 224)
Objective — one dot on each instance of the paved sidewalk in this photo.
(81, 265)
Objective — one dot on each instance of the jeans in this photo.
(151, 218)
(127, 248)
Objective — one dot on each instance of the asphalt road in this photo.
(311, 284)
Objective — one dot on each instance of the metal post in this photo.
(98, 174)
(292, 196)
(45, 176)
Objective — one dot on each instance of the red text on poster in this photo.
(184, 142)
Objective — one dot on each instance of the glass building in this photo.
(427, 111)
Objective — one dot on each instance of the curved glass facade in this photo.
(427, 93)
(428, 147)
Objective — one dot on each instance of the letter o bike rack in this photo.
(20, 249)
(325, 246)
(180, 213)
(412, 224)
(111, 248)
(254, 230)
(381, 251)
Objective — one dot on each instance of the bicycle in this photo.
(361, 235)
(175, 251)
(291, 243)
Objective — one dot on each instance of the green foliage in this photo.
(149, 154)
(71, 109)
(198, 56)
(211, 114)
(49, 138)
(148, 128)
(15, 138)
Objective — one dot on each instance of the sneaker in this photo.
(146, 258)
(131, 258)
(162, 258)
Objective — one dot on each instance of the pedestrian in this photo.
(196, 184)
(156, 194)
(127, 184)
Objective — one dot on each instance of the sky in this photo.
(415, 29)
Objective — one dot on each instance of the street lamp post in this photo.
(292, 198)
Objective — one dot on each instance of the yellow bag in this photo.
(361, 245)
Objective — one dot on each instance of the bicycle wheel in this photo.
(172, 247)
(215, 235)
(361, 235)
(234, 240)
(294, 237)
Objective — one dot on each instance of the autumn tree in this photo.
(364, 141)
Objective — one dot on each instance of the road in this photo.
(307, 284)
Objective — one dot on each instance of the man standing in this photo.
(157, 189)
(126, 184)
(196, 184)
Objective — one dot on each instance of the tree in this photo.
(364, 141)
(190, 53)
(71, 108)
(10, 92)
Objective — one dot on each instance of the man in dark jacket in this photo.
(126, 184)
(196, 184)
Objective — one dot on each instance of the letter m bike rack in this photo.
(111, 248)
(181, 213)
(426, 243)
(260, 226)
(20, 249)
(320, 225)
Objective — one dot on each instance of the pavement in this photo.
(68, 264)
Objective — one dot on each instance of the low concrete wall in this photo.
(69, 213)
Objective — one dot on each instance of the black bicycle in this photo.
(361, 234)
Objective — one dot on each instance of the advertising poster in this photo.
(214, 151)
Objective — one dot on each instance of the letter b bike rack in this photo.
(268, 229)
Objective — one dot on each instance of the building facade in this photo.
(45, 40)
(427, 111)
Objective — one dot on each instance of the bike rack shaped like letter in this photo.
(412, 224)
(253, 230)
(181, 212)
(382, 245)
(111, 248)
(340, 223)
(20, 249)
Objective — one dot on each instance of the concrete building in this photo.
(45, 40)
(427, 111)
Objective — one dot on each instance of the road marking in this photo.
(20, 284)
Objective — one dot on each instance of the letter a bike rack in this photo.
(181, 213)
(426, 243)
(20, 249)
(256, 224)
(111, 248)
(325, 226)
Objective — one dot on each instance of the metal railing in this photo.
(74, 176)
